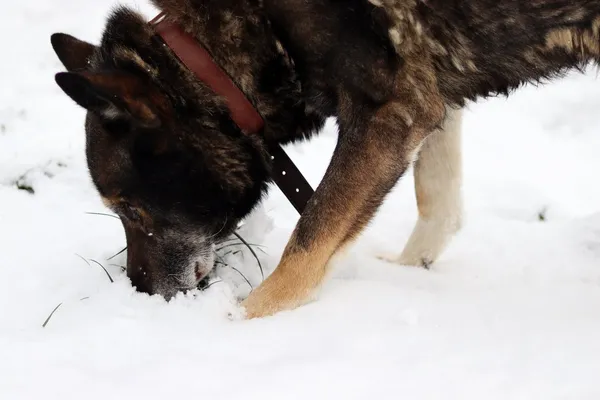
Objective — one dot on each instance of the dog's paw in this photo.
(400, 259)
(273, 296)
(262, 303)
(257, 308)
(427, 241)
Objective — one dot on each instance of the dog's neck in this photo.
(239, 37)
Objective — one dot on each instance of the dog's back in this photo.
(489, 46)
(482, 47)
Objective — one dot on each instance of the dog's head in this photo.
(162, 151)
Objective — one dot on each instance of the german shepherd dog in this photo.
(165, 154)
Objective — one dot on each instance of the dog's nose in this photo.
(200, 271)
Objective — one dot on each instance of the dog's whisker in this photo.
(105, 270)
(84, 260)
(239, 244)
(212, 283)
(123, 268)
(243, 276)
(104, 214)
(228, 253)
(50, 316)
(219, 231)
(253, 253)
(228, 240)
(219, 257)
(119, 253)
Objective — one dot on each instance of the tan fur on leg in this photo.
(343, 203)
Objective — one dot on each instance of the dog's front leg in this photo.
(370, 157)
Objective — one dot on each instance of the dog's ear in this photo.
(75, 54)
(115, 95)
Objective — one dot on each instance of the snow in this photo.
(510, 311)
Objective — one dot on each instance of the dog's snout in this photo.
(152, 281)
(167, 264)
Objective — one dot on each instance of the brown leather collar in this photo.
(197, 59)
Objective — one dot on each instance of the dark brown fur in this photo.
(387, 69)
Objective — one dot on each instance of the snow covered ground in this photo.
(510, 311)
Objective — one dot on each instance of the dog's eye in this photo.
(135, 215)
(130, 212)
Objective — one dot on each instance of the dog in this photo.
(167, 156)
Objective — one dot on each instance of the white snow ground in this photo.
(510, 311)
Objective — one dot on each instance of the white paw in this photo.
(396, 258)
(427, 241)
